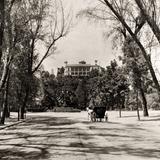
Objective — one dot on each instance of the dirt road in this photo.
(69, 136)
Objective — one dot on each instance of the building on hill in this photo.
(81, 69)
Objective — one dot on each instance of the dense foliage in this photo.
(107, 88)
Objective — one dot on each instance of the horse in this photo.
(91, 114)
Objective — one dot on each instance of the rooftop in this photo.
(80, 65)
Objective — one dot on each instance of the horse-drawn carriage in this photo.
(100, 113)
(97, 114)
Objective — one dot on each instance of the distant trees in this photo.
(110, 88)
(59, 91)
(137, 70)
(81, 94)
(66, 90)
(94, 73)
(49, 85)
(115, 86)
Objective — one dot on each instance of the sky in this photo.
(85, 41)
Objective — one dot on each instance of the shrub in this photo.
(37, 108)
(66, 109)
(155, 106)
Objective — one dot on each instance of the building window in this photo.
(76, 69)
(80, 69)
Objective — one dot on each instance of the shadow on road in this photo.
(44, 137)
(18, 153)
(31, 140)
(153, 119)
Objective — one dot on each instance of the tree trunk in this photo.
(23, 108)
(19, 100)
(126, 101)
(0, 110)
(1, 102)
(138, 115)
(145, 109)
(120, 111)
(123, 102)
(18, 113)
(4, 74)
(7, 91)
(5, 112)
(120, 108)
(2, 17)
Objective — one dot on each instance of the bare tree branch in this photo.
(56, 34)
(152, 23)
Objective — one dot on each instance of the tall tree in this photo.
(124, 13)
(58, 24)
(28, 25)
(6, 111)
(120, 17)
(8, 46)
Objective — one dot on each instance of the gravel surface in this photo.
(70, 136)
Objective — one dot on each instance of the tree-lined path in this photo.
(69, 136)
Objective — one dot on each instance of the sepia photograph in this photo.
(79, 80)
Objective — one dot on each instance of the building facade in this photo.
(80, 69)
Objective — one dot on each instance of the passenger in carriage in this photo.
(91, 113)
(89, 110)
(106, 116)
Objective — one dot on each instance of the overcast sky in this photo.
(84, 42)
